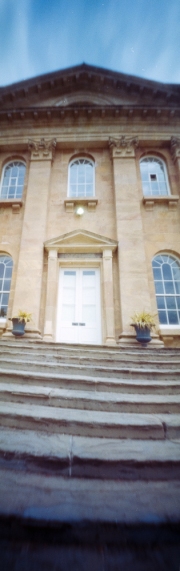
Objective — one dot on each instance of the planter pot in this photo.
(143, 334)
(18, 327)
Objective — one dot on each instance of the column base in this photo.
(48, 338)
(110, 341)
(128, 339)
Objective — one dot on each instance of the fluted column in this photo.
(30, 264)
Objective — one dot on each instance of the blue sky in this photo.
(139, 37)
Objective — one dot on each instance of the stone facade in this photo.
(112, 120)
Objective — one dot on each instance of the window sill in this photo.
(15, 204)
(150, 201)
(71, 203)
(169, 330)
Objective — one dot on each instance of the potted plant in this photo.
(143, 323)
(19, 323)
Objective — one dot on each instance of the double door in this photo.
(78, 319)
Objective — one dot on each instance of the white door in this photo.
(78, 319)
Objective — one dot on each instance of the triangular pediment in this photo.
(86, 85)
(80, 241)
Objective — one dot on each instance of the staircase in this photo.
(89, 457)
(91, 411)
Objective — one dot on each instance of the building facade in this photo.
(89, 206)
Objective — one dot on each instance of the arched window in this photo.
(154, 177)
(81, 178)
(166, 270)
(13, 181)
(6, 266)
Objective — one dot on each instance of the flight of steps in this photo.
(88, 411)
(89, 457)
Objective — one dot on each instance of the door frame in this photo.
(76, 265)
(81, 248)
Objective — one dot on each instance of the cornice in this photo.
(85, 77)
(143, 112)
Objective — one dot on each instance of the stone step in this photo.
(89, 423)
(90, 400)
(61, 350)
(59, 502)
(83, 359)
(84, 457)
(86, 383)
(56, 350)
(112, 371)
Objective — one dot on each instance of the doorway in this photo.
(79, 316)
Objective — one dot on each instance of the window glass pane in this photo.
(178, 301)
(167, 273)
(176, 272)
(5, 297)
(157, 273)
(72, 190)
(158, 259)
(8, 272)
(11, 192)
(163, 188)
(3, 311)
(146, 188)
(1, 270)
(159, 287)
(162, 317)
(4, 192)
(7, 285)
(169, 287)
(171, 302)
(177, 287)
(173, 317)
(161, 302)
(155, 188)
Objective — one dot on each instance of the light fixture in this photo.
(79, 210)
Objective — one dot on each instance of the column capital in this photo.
(52, 254)
(123, 147)
(175, 148)
(107, 253)
(42, 149)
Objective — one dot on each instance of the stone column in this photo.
(51, 295)
(133, 276)
(30, 264)
(108, 297)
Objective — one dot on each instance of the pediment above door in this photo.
(80, 241)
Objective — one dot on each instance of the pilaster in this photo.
(30, 264)
(175, 151)
(108, 297)
(133, 276)
(50, 295)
